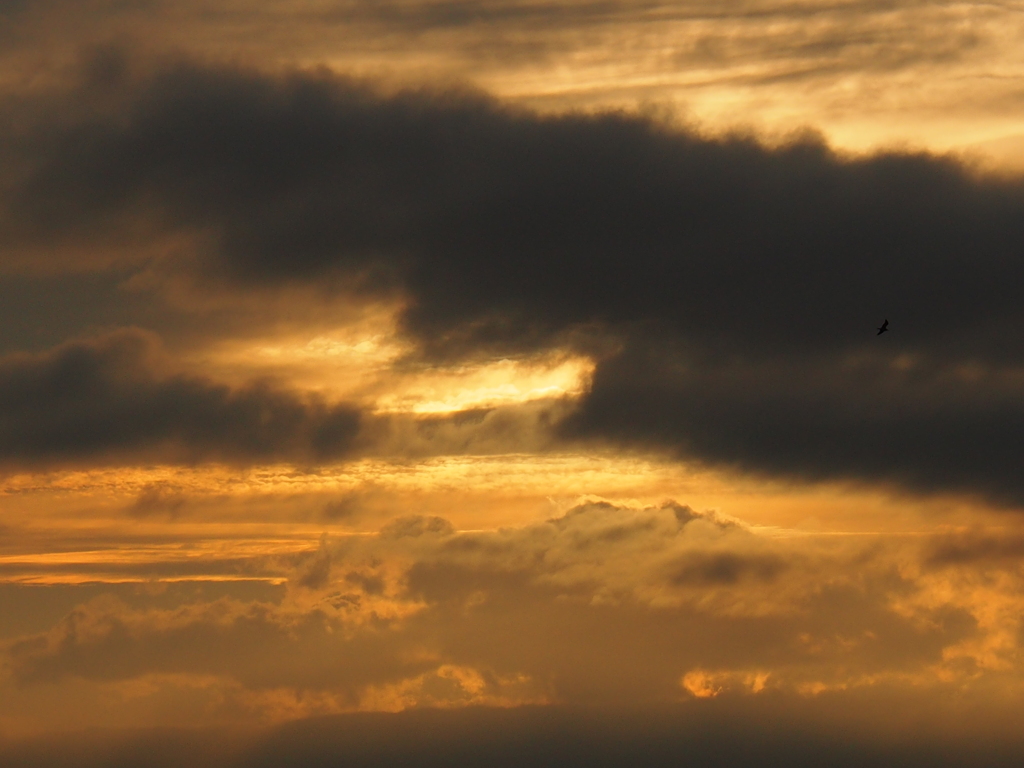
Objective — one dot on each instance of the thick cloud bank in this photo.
(105, 398)
(917, 424)
(511, 223)
(729, 290)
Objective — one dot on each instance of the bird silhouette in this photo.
(883, 328)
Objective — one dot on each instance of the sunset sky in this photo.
(473, 382)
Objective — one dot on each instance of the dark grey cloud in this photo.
(505, 225)
(117, 397)
(740, 283)
(926, 424)
(105, 399)
(37, 313)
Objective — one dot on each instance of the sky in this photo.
(498, 382)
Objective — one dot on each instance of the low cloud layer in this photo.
(687, 604)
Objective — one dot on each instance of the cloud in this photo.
(1002, 551)
(728, 290)
(107, 398)
(507, 226)
(158, 499)
(753, 41)
(255, 644)
(414, 526)
(424, 615)
(316, 572)
(117, 398)
(727, 569)
(524, 428)
(920, 424)
(603, 604)
(616, 610)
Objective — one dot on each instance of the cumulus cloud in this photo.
(602, 604)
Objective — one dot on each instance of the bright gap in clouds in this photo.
(502, 382)
(365, 364)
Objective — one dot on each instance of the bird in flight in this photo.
(883, 328)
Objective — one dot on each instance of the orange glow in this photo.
(432, 537)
